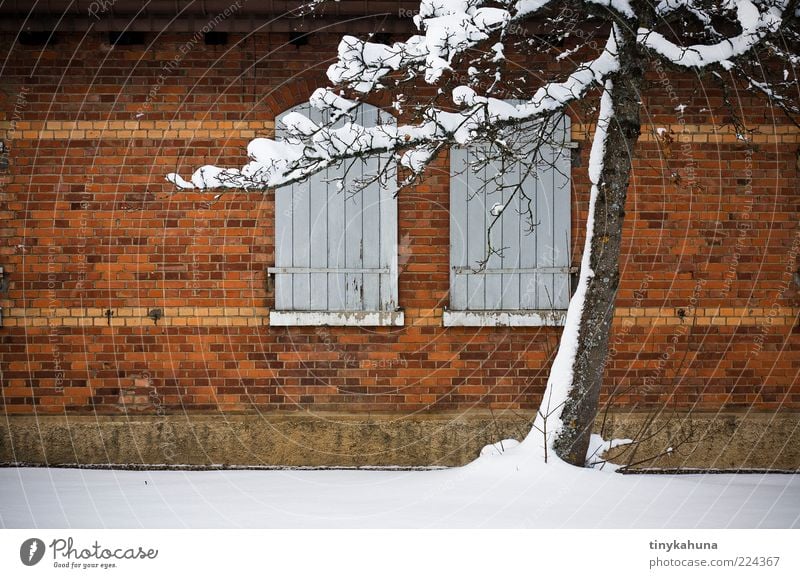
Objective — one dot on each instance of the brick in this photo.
(134, 244)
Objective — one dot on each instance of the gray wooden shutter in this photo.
(532, 273)
(336, 250)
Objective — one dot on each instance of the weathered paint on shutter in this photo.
(562, 217)
(459, 231)
(532, 271)
(336, 250)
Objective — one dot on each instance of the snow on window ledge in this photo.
(500, 318)
(338, 318)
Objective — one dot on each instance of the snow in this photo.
(451, 26)
(179, 181)
(526, 8)
(598, 447)
(299, 124)
(671, 5)
(503, 490)
(465, 95)
(556, 95)
(755, 25)
(437, 8)
(212, 177)
(417, 159)
(621, 6)
(499, 448)
(448, 28)
(275, 162)
(498, 50)
(747, 14)
(450, 34)
(326, 100)
(362, 64)
(559, 383)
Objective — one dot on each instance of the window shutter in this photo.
(336, 250)
(532, 271)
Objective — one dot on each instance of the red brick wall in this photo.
(707, 306)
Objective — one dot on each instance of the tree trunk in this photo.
(581, 406)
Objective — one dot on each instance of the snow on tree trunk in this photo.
(566, 416)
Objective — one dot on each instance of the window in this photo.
(525, 279)
(336, 249)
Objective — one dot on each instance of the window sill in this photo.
(499, 318)
(337, 318)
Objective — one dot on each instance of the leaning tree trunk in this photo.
(581, 405)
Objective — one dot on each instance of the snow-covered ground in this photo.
(495, 491)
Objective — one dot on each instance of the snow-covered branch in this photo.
(755, 25)
(447, 28)
(312, 148)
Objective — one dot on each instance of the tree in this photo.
(728, 41)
